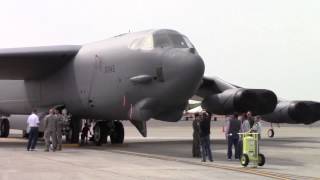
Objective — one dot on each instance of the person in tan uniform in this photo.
(50, 129)
(59, 117)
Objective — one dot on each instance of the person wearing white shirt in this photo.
(33, 125)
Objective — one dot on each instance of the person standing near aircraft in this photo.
(205, 136)
(245, 126)
(257, 126)
(250, 119)
(59, 118)
(196, 136)
(233, 137)
(85, 133)
(50, 128)
(33, 124)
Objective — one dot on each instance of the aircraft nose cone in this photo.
(183, 71)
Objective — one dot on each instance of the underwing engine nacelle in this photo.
(259, 101)
(295, 112)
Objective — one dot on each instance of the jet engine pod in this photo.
(259, 101)
(294, 112)
(315, 108)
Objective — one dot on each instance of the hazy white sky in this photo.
(272, 44)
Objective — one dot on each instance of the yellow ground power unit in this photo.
(250, 151)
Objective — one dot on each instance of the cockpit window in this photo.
(178, 41)
(161, 39)
(167, 39)
(145, 43)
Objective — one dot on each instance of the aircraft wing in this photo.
(212, 85)
(34, 62)
(220, 97)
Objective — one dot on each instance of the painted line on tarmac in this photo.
(274, 175)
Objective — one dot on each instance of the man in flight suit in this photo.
(59, 129)
(50, 129)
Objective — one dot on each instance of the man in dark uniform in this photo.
(233, 137)
(205, 136)
(196, 136)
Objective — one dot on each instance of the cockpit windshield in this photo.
(167, 38)
(162, 39)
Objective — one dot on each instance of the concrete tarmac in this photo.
(294, 153)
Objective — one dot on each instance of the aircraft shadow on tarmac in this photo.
(182, 149)
(179, 148)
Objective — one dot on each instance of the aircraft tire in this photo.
(100, 133)
(5, 128)
(261, 160)
(270, 133)
(117, 135)
(244, 160)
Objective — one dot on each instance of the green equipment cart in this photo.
(250, 150)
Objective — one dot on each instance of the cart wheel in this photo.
(271, 133)
(244, 160)
(261, 159)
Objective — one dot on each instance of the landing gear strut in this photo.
(4, 128)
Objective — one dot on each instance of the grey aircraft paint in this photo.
(95, 80)
(133, 76)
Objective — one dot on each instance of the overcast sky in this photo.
(270, 44)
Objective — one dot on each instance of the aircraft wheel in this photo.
(100, 133)
(117, 135)
(244, 160)
(261, 159)
(270, 133)
(5, 128)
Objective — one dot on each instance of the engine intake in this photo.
(259, 101)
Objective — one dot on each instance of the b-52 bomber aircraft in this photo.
(134, 76)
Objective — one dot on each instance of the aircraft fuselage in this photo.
(113, 79)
